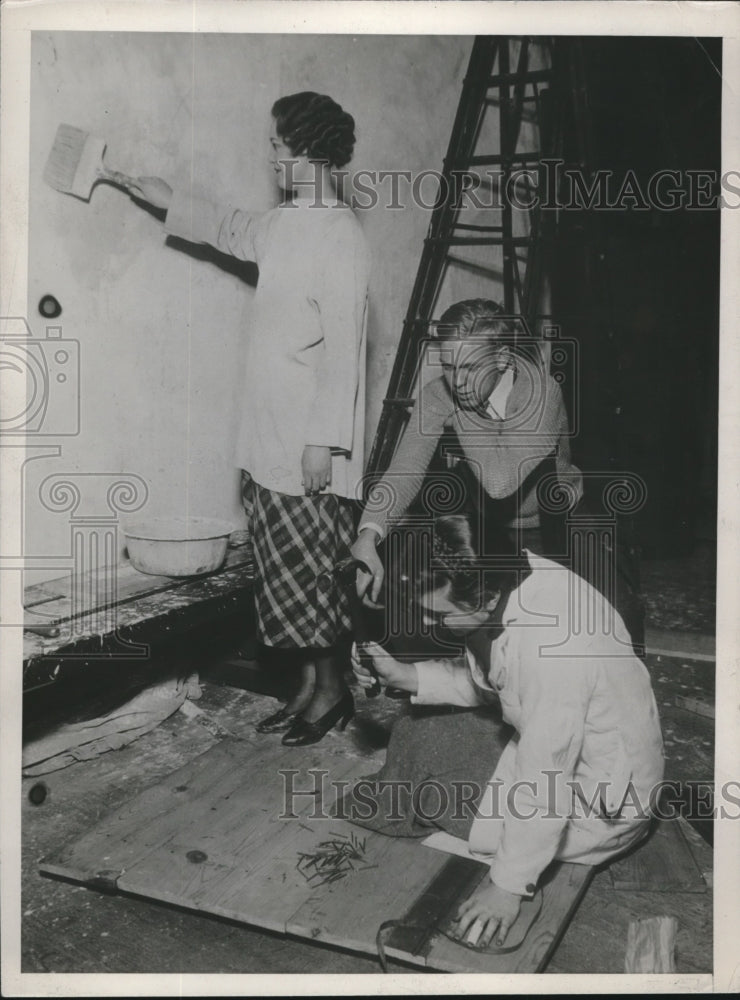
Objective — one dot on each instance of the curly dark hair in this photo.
(478, 559)
(316, 126)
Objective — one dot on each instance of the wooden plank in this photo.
(563, 886)
(48, 618)
(210, 836)
(147, 820)
(249, 854)
(699, 706)
(184, 800)
(216, 836)
(44, 593)
(130, 627)
(681, 645)
(349, 913)
(53, 600)
(129, 583)
(651, 945)
(663, 863)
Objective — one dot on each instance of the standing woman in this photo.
(302, 398)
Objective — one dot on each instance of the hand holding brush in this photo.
(344, 573)
(75, 165)
(376, 665)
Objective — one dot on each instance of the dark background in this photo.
(639, 290)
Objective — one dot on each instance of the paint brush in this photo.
(344, 571)
(75, 164)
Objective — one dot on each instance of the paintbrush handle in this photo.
(116, 177)
(344, 571)
(367, 661)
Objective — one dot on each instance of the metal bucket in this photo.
(177, 546)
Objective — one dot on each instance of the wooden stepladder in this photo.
(488, 219)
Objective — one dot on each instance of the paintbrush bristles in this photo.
(74, 161)
(64, 157)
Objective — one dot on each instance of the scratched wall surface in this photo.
(160, 330)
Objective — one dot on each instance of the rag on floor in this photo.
(84, 740)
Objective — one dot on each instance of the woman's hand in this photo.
(494, 908)
(316, 468)
(153, 190)
(389, 671)
(368, 584)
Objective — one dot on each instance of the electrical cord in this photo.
(388, 925)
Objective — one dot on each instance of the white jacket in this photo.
(587, 729)
(303, 372)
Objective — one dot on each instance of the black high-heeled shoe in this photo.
(278, 722)
(303, 733)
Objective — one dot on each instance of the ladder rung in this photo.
(526, 99)
(478, 229)
(518, 182)
(491, 159)
(475, 265)
(462, 241)
(483, 159)
(533, 76)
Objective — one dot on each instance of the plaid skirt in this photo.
(297, 542)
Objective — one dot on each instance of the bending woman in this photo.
(560, 753)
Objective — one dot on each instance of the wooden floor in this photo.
(224, 836)
(67, 928)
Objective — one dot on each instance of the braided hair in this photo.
(314, 125)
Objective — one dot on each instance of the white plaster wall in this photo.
(160, 332)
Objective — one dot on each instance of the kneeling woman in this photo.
(575, 780)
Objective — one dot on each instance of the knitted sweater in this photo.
(501, 453)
